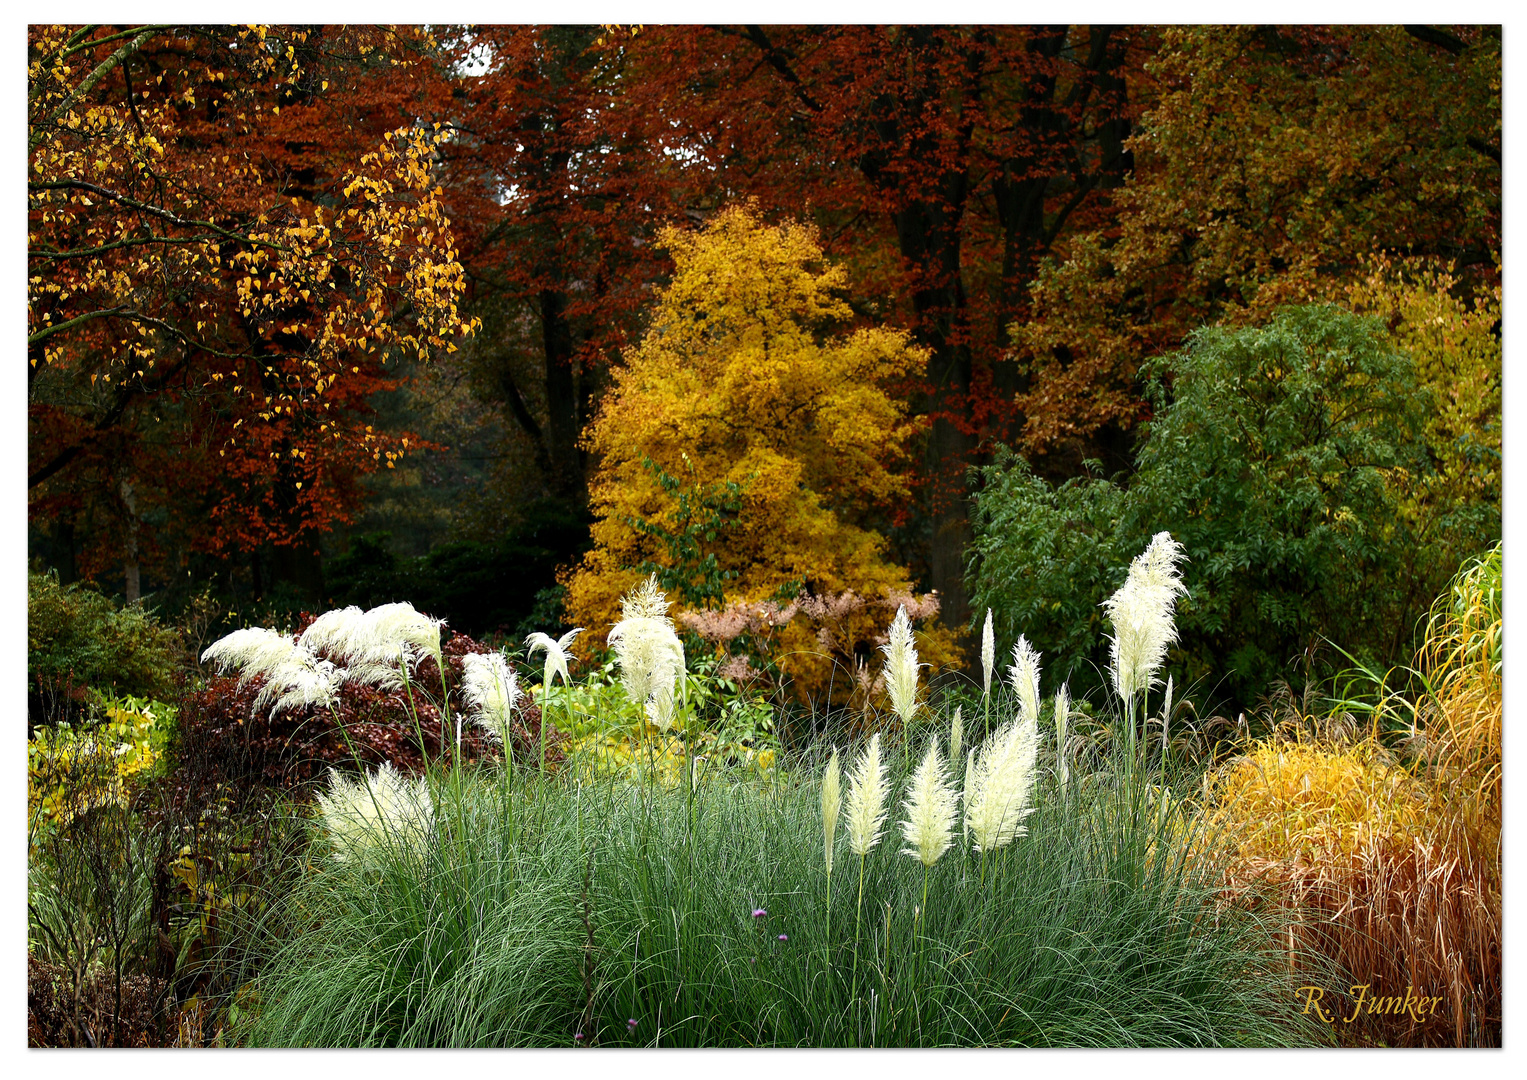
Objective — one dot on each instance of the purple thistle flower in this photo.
(759, 913)
(784, 937)
(631, 1024)
(577, 1036)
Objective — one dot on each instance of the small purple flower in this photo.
(577, 1036)
(631, 1025)
(784, 937)
(759, 913)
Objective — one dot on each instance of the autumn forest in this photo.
(802, 347)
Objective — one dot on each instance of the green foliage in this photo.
(78, 637)
(1043, 559)
(701, 514)
(1279, 457)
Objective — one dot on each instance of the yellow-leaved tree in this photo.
(746, 444)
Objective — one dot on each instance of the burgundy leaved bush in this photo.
(236, 744)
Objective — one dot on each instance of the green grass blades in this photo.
(548, 913)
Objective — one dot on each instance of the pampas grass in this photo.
(998, 785)
(491, 688)
(383, 810)
(901, 667)
(931, 807)
(649, 652)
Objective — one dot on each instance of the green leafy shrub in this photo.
(78, 638)
(1280, 458)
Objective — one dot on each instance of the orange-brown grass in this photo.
(1390, 869)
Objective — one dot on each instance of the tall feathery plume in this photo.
(377, 644)
(294, 675)
(1142, 615)
(832, 802)
(1062, 726)
(394, 629)
(365, 813)
(254, 651)
(901, 667)
(956, 735)
(1023, 675)
(556, 654)
(556, 664)
(988, 656)
(491, 687)
(867, 789)
(300, 681)
(1003, 774)
(931, 810)
(334, 632)
(648, 650)
(965, 791)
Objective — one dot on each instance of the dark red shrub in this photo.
(220, 730)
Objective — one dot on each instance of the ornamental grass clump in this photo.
(901, 667)
(381, 812)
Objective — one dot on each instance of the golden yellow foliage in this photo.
(1455, 343)
(748, 375)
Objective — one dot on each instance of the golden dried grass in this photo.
(1389, 868)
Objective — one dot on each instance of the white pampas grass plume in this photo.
(294, 676)
(1023, 676)
(556, 654)
(956, 734)
(491, 689)
(1062, 732)
(254, 651)
(362, 814)
(1142, 616)
(999, 785)
(901, 667)
(300, 681)
(832, 802)
(650, 654)
(399, 626)
(865, 810)
(377, 644)
(335, 632)
(931, 807)
(988, 658)
(970, 771)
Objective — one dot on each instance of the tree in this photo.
(557, 198)
(743, 380)
(940, 162)
(1281, 458)
(1274, 163)
(222, 253)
